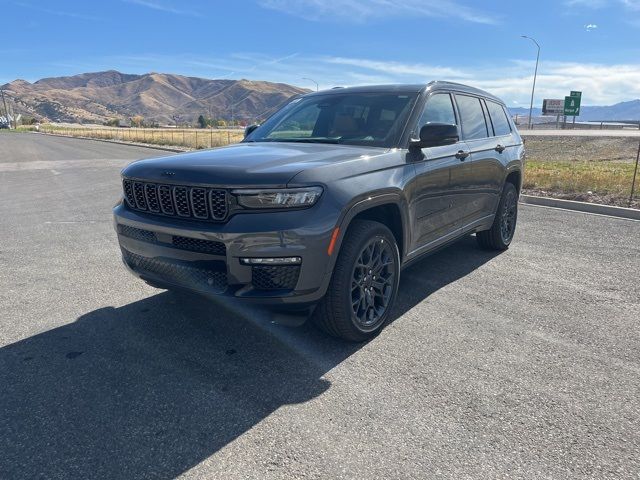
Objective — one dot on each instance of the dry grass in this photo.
(189, 138)
(595, 169)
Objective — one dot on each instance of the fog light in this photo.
(272, 261)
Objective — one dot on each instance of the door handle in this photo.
(462, 155)
(500, 148)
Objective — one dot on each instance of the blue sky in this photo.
(589, 45)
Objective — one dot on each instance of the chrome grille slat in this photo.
(197, 203)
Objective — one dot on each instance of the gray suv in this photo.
(319, 208)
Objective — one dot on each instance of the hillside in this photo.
(101, 96)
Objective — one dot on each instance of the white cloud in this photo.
(397, 68)
(595, 4)
(162, 7)
(362, 10)
(591, 26)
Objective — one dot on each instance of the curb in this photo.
(117, 142)
(630, 213)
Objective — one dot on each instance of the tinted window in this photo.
(471, 117)
(498, 118)
(439, 109)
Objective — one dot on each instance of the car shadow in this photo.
(152, 388)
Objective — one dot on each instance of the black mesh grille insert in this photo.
(275, 277)
(197, 245)
(198, 203)
(166, 200)
(151, 192)
(208, 279)
(137, 233)
(138, 193)
(181, 197)
(127, 186)
(218, 200)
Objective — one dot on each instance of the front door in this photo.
(435, 190)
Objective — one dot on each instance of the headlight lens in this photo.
(285, 198)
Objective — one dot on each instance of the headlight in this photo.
(285, 198)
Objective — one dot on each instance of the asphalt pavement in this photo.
(524, 364)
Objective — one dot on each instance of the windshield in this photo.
(372, 119)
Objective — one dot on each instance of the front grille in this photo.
(197, 245)
(212, 279)
(275, 277)
(199, 203)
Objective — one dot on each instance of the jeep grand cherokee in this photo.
(320, 207)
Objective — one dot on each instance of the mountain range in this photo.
(623, 111)
(167, 98)
(158, 97)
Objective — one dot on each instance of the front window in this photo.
(372, 119)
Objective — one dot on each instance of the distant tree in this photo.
(113, 122)
(137, 121)
(221, 123)
(202, 122)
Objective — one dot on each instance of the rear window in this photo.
(471, 118)
(498, 118)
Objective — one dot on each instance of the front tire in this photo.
(500, 235)
(364, 283)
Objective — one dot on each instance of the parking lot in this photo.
(521, 364)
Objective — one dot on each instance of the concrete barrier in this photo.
(587, 207)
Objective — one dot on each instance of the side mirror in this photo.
(249, 129)
(436, 135)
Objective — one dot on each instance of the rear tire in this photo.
(500, 235)
(364, 284)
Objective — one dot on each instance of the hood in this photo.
(245, 164)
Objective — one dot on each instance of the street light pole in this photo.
(535, 74)
(311, 80)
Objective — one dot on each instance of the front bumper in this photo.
(205, 257)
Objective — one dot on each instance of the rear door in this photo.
(472, 182)
(489, 166)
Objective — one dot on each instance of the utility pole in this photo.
(535, 75)
(635, 173)
(6, 112)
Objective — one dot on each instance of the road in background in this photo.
(520, 364)
(581, 133)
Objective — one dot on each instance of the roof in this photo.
(410, 88)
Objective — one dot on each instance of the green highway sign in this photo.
(572, 104)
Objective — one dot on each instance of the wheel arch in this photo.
(389, 209)
(514, 176)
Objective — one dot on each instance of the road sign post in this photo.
(572, 105)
